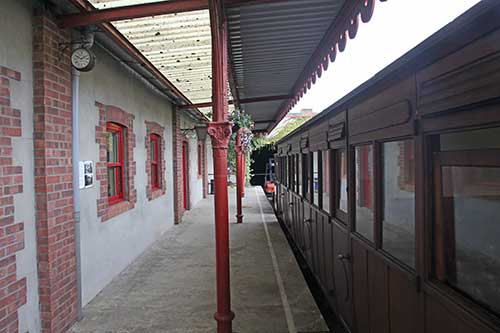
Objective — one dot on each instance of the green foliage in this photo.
(241, 120)
(287, 129)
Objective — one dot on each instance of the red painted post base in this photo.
(224, 322)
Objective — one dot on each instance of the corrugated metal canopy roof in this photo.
(271, 43)
(179, 45)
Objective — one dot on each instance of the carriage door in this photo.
(341, 256)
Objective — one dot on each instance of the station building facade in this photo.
(65, 235)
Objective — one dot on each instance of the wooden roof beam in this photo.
(143, 10)
(242, 101)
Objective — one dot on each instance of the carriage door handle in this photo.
(310, 237)
(342, 258)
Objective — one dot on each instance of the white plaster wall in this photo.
(195, 181)
(210, 161)
(16, 54)
(109, 247)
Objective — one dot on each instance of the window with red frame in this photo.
(200, 157)
(155, 161)
(115, 158)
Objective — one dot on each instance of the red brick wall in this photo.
(178, 139)
(53, 175)
(155, 128)
(109, 113)
(12, 289)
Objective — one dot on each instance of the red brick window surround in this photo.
(155, 164)
(115, 136)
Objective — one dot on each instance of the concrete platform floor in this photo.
(171, 287)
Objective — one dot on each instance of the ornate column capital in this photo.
(220, 133)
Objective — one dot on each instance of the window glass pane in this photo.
(112, 138)
(119, 178)
(285, 170)
(471, 197)
(342, 172)
(364, 191)
(315, 179)
(476, 139)
(325, 159)
(153, 150)
(299, 173)
(278, 169)
(398, 222)
(154, 176)
(111, 182)
(305, 175)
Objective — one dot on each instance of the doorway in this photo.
(185, 177)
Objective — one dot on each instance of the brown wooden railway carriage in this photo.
(392, 194)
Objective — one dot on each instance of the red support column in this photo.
(239, 177)
(243, 173)
(220, 131)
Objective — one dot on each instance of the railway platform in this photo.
(171, 287)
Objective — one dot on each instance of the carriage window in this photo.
(281, 169)
(398, 200)
(476, 139)
(315, 177)
(325, 180)
(341, 184)
(305, 175)
(299, 174)
(285, 168)
(471, 197)
(364, 191)
(292, 173)
(277, 169)
(467, 228)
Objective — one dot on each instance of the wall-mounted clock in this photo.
(83, 59)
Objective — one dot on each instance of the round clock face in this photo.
(82, 59)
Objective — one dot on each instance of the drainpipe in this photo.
(76, 184)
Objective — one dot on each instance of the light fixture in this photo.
(201, 132)
(189, 133)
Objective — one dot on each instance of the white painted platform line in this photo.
(284, 299)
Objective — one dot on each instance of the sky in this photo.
(396, 27)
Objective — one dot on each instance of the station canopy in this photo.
(276, 49)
